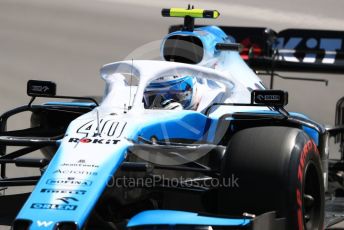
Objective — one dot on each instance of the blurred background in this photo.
(67, 41)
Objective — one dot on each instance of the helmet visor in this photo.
(180, 92)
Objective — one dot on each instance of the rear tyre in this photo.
(278, 169)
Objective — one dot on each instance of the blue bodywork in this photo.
(46, 205)
(168, 217)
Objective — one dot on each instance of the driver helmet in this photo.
(175, 89)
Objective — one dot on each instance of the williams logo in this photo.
(68, 182)
(43, 223)
(63, 191)
(67, 199)
(64, 207)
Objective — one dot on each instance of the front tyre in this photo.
(278, 169)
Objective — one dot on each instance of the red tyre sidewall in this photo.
(304, 153)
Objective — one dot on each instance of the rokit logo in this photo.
(39, 88)
(79, 172)
(93, 141)
(288, 48)
(269, 97)
(69, 182)
(63, 191)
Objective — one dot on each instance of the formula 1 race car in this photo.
(192, 141)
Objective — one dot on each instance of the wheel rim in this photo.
(311, 198)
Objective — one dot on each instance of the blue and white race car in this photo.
(192, 141)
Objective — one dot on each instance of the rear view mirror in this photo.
(41, 88)
(276, 98)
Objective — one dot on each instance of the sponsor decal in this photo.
(80, 172)
(86, 140)
(41, 88)
(269, 97)
(288, 49)
(43, 223)
(308, 147)
(103, 128)
(69, 182)
(64, 207)
(80, 163)
(67, 199)
(63, 191)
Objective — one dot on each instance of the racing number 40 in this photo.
(108, 128)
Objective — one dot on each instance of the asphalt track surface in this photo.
(67, 41)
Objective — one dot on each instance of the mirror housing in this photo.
(36, 88)
(275, 98)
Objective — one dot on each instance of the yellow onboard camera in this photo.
(189, 15)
